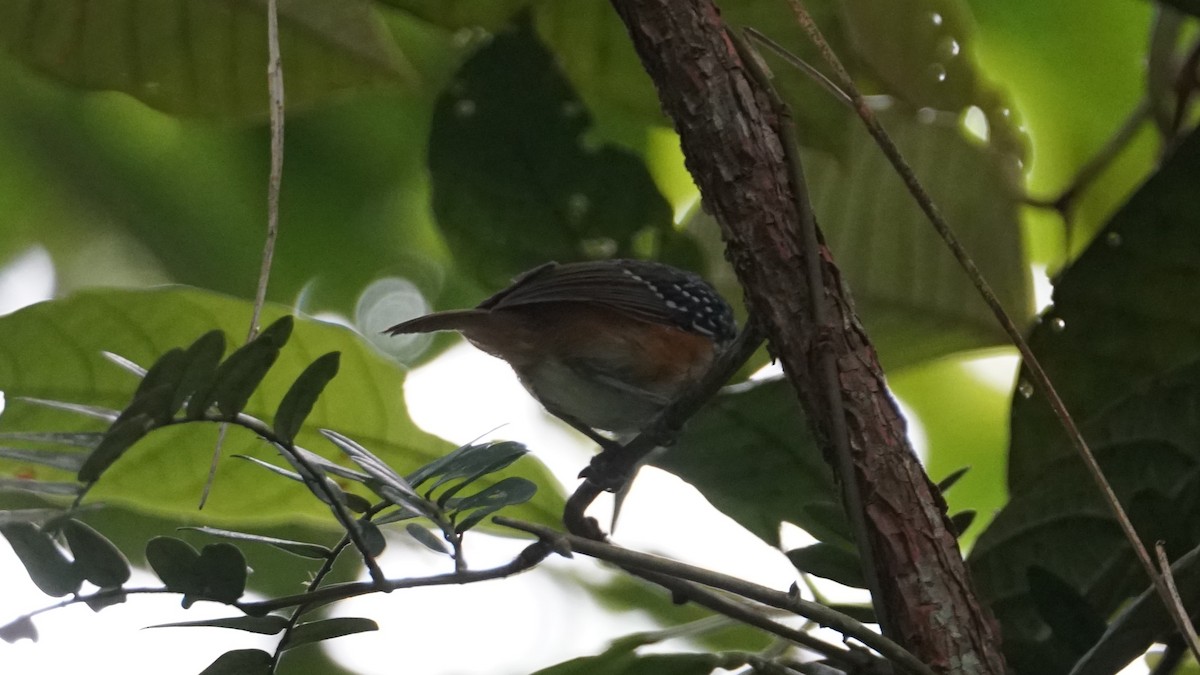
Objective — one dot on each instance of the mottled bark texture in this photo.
(732, 144)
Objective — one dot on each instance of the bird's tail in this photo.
(457, 319)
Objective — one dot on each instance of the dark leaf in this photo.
(244, 370)
(1141, 624)
(949, 481)
(98, 559)
(299, 400)
(299, 548)
(1190, 6)
(507, 148)
(829, 561)
(175, 563)
(240, 662)
(156, 392)
(427, 538)
(264, 625)
(224, 572)
(355, 502)
(45, 562)
(18, 629)
(67, 460)
(327, 629)
(372, 538)
(507, 492)
(1068, 613)
(467, 460)
(961, 521)
(116, 441)
(1124, 314)
(272, 468)
(202, 357)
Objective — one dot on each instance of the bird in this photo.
(602, 345)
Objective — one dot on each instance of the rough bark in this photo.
(730, 137)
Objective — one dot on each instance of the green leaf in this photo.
(45, 562)
(203, 59)
(427, 538)
(97, 558)
(217, 572)
(300, 399)
(387, 483)
(829, 561)
(508, 492)
(1141, 624)
(1148, 446)
(241, 662)
(174, 561)
(514, 181)
(58, 343)
(372, 537)
(467, 461)
(788, 479)
(223, 568)
(244, 370)
(119, 438)
(327, 629)
(914, 300)
(264, 625)
(156, 392)
(203, 357)
(298, 548)
(35, 516)
(1068, 613)
(1114, 327)
(17, 629)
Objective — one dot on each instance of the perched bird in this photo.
(602, 345)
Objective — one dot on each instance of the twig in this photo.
(827, 368)
(1040, 378)
(1175, 606)
(661, 570)
(1099, 162)
(529, 557)
(275, 89)
(801, 65)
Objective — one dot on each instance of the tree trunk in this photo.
(731, 140)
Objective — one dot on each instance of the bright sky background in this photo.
(514, 625)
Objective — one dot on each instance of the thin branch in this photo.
(1099, 162)
(1040, 378)
(275, 90)
(660, 570)
(827, 368)
(801, 65)
(1175, 606)
(529, 557)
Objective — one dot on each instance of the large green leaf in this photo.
(200, 58)
(1125, 313)
(914, 298)
(1149, 446)
(514, 182)
(52, 350)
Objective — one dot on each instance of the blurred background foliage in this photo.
(435, 148)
